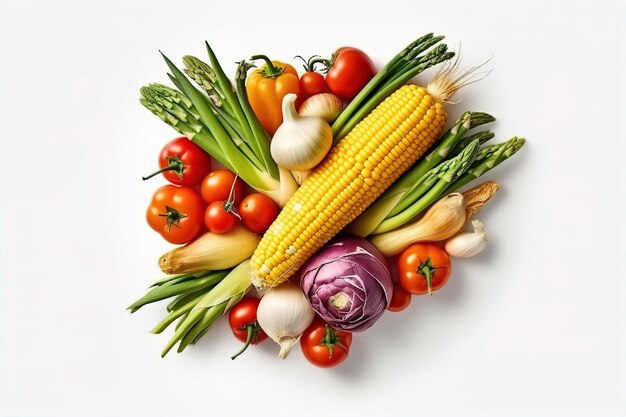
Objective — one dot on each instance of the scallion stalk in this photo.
(212, 305)
(222, 123)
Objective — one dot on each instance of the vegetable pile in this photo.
(334, 194)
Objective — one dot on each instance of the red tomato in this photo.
(311, 83)
(182, 162)
(244, 325)
(400, 298)
(176, 213)
(324, 346)
(350, 69)
(216, 186)
(220, 217)
(257, 212)
(423, 268)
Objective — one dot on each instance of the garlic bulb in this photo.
(443, 220)
(284, 313)
(325, 105)
(465, 245)
(300, 142)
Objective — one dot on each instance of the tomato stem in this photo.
(427, 270)
(332, 339)
(175, 164)
(270, 70)
(309, 66)
(327, 63)
(173, 217)
(253, 331)
(229, 205)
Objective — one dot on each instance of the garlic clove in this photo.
(300, 142)
(467, 244)
(284, 313)
(325, 105)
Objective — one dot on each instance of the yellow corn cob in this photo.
(355, 172)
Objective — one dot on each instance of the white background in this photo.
(534, 326)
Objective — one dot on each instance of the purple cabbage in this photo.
(348, 283)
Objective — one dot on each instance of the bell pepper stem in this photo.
(270, 70)
(252, 331)
(175, 164)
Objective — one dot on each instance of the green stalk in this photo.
(235, 157)
(229, 291)
(482, 137)
(420, 60)
(206, 78)
(210, 317)
(169, 279)
(385, 204)
(260, 136)
(380, 79)
(169, 290)
(488, 158)
(227, 90)
(179, 112)
(180, 311)
(204, 110)
(410, 54)
(183, 299)
(199, 335)
(424, 184)
(239, 142)
(181, 320)
(441, 181)
(389, 88)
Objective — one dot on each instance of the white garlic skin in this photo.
(300, 142)
(284, 313)
(468, 244)
(325, 105)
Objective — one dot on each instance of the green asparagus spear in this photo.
(488, 158)
(395, 199)
(436, 182)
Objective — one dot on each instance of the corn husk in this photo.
(211, 251)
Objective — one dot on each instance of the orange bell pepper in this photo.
(266, 88)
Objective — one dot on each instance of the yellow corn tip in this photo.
(352, 176)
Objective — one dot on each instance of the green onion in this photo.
(211, 307)
(220, 121)
(178, 287)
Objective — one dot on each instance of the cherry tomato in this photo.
(257, 212)
(400, 298)
(324, 346)
(182, 162)
(311, 82)
(216, 186)
(244, 325)
(176, 213)
(423, 268)
(220, 217)
(349, 70)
